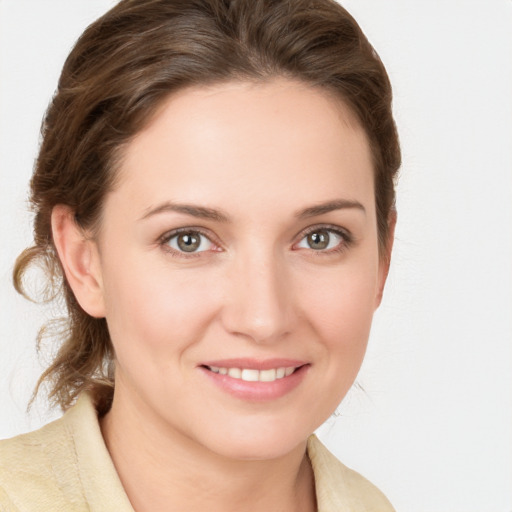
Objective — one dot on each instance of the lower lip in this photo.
(257, 391)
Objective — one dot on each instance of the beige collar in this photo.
(338, 488)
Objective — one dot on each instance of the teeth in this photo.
(289, 371)
(236, 373)
(267, 375)
(251, 375)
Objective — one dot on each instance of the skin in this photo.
(256, 288)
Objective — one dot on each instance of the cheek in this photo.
(155, 310)
(343, 300)
(340, 309)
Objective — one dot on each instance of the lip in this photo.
(254, 364)
(256, 391)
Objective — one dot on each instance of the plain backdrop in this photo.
(433, 426)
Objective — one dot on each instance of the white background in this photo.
(433, 427)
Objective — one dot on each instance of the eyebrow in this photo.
(202, 212)
(330, 206)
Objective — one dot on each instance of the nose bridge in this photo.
(260, 306)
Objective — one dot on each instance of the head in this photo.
(141, 64)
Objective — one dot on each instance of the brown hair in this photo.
(120, 71)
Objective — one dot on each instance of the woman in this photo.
(215, 187)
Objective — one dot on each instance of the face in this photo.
(239, 265)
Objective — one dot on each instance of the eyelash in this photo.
(167, 237)
(346, 243)
(347, 240)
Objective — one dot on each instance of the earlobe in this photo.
(385, 258)
(79, 259)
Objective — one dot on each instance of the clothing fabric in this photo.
(65, 466)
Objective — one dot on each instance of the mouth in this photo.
(256, 381)
(254, 375)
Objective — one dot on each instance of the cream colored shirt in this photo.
(65, 466)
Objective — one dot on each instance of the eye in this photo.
(189, 241)
(324, 240)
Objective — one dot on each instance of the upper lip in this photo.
(254, 364)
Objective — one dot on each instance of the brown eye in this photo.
(319, 240)
(324, 240)
(189, 242)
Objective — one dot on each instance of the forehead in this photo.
(278, 140)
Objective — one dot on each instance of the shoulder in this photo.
(340, 488)
(39, 471)
(6, 505)
(63, 466)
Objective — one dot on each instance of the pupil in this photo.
(188, 242)
(318, 240)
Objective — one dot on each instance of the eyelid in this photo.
(164, 239)
(345, 234)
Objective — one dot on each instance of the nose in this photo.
(259, 299)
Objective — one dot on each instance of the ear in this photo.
(80, 260)
(385, 259)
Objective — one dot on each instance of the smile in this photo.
(255, 380)
(253, 375)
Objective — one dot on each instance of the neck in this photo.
(163, 470)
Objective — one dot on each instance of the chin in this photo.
(259, 441)
(260, 449)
